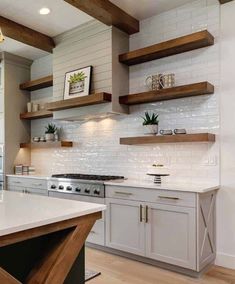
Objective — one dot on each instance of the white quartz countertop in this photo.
(188, 187)
(198, 188)
(19, 211)
(30, 176)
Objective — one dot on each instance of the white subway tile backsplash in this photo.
(96, 143)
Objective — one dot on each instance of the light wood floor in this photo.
(119, 270)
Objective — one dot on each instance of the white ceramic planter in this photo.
(49, 136)
(77, 87)
(151, 129)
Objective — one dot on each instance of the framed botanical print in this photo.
(77, 83)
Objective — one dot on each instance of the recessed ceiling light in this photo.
(44, 11)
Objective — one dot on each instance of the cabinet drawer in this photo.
(36, 191)
(16, 188)
(96, 235)
(152, 195)
(28, 182)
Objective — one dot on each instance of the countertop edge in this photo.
(51, 221)
(183, 188)
(29, 176)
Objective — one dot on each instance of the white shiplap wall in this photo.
(90, 44)
(97, 148)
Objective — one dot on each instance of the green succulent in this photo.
(50, 129)
(77, 77)
(150, 119)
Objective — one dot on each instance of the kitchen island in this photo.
(42, 238)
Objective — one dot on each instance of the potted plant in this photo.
(151, 122)
(50, 132)
(77, 82)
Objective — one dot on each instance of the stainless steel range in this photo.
(80, 184)
(87, 188)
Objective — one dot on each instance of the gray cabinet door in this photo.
(171, 234)
(36, 191)
(124, 229)
(16, 188)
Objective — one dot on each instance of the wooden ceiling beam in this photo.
(224, 1)
(26, 35)
(108, 13)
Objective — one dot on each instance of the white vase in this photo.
(49, 137)
(151, 129)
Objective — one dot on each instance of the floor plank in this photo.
(119, 270)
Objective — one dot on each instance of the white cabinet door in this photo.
(171, 234)
(124, 229)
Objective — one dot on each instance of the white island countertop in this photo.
(19, 211)
(197, 188)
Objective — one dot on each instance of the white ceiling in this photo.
(142, 9)
(21, 49)
(64, 17)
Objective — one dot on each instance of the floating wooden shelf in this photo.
(199, 137)
(168, 48)
(34, 85)
(36, 114)
(93, 99)
(47, 144)
(197, 89)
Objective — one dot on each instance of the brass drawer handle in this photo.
(92, 232)
(17, 182)
(168, 197)
(123, 193)
(36, 184)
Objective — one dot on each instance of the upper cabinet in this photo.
(15, 101)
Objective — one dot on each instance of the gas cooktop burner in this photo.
(88, 177)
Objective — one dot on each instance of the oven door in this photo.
(96, 235)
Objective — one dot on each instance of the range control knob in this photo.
(69, 188)
(61, 187)
(97, 191)
(77, 189)
(53, 186)
(87, 190)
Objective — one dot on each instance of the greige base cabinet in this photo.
(171, 235)
(173, 227)
(27, 185)
(124, 229)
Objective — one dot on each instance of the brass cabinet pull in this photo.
(123, 193)
(141, 213)
(146, 214)
(37, 184)
(168, 197)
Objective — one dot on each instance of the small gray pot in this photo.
(151, 129)
(50, 137)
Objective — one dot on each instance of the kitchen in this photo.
(177, 67)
